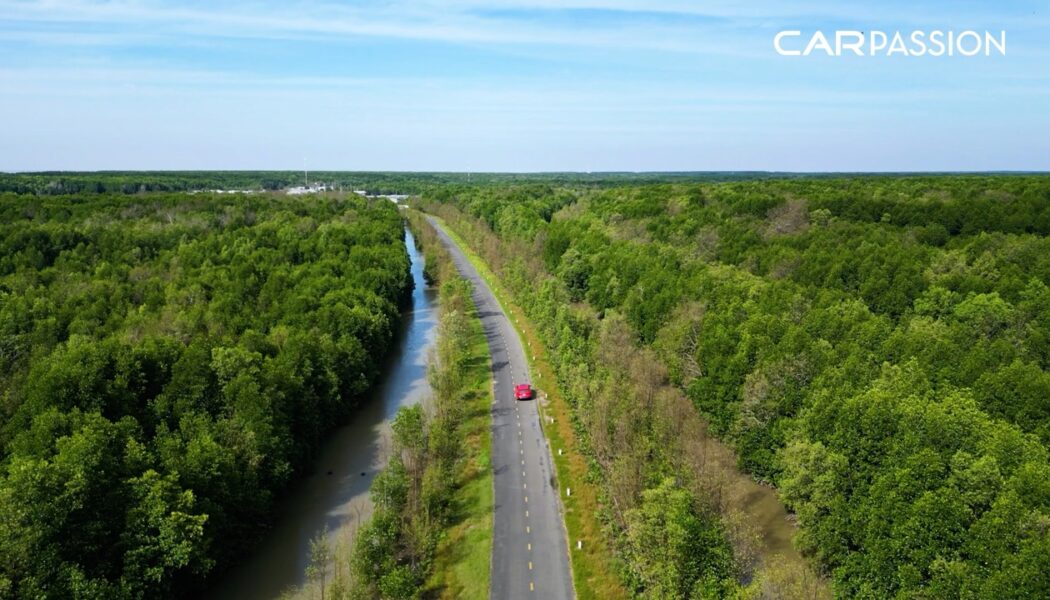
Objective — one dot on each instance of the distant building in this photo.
(313, 189)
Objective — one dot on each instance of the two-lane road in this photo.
(529, 552)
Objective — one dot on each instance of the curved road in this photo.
(530, 557)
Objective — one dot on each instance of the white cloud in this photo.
(457, 22)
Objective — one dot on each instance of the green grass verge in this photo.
(462, 565)
(593, 566)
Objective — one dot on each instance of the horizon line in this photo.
(567, 172)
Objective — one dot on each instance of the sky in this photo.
(513, 85)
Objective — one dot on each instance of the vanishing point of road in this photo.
(530, 556)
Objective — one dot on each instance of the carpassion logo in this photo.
(937, 42)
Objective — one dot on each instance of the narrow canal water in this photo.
(335, 493)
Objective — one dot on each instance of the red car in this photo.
(523, 391)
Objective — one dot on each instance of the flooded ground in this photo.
(335, 493)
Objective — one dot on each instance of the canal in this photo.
(334, 495)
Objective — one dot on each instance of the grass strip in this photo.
(462, 566)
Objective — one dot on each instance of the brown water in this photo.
(335, 493)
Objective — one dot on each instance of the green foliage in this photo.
(917, 479)
(167, 365)
(674, 549)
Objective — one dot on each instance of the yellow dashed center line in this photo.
(521, 442)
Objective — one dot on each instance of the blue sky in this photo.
(512, 85)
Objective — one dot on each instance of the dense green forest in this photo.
(876, 347)
(169, 363)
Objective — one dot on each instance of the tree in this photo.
(320, 558)
(673, 547)
(575, 273)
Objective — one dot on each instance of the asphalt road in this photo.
(529, 550)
